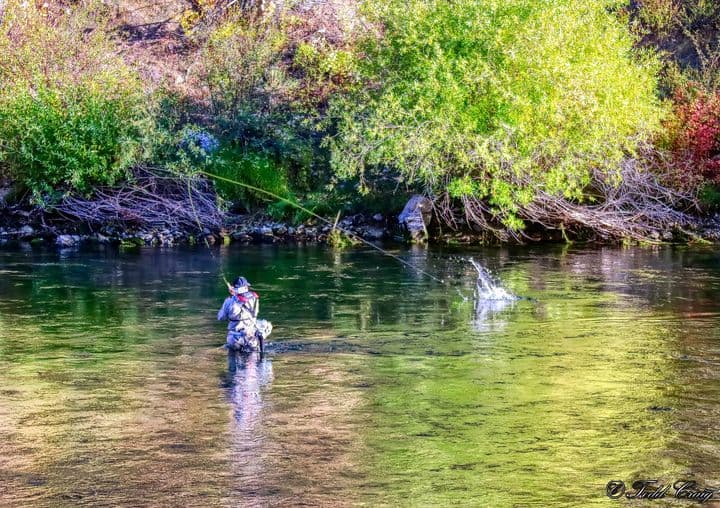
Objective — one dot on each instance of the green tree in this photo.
(72, 113)
(495, 99)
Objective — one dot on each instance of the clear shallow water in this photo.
(382, 387)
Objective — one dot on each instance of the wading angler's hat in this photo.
(240, 282)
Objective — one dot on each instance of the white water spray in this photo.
(491, 300)
(486, 289)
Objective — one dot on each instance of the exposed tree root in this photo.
(637, 208)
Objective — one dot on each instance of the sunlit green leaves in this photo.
(515, 95)
(72, 114)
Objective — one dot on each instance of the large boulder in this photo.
(416, 216)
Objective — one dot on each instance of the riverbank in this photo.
(34, 227)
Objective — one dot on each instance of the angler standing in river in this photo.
(245, 332)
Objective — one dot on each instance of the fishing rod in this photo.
(312, 214)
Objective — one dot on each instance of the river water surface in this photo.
(381, 388)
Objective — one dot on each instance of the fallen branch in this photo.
(639, 208)
(153, 198)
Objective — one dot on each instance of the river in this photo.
(381, 387)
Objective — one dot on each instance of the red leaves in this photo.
(695, 135)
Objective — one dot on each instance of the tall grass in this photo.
(254, 168)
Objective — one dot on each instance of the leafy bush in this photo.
(72, 114)
(247, 83)
(659, 16)
(326, 71)
(257, 169)
(495, 98)
(73, 138)
(251, 93)
(694, 133)
(269, 80)
(686, 35)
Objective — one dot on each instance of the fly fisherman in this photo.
(241, 311)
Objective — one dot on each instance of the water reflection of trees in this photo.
(105, 288)
(559, 393)
(662, 277)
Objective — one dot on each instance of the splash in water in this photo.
(491, 300)
(486, 289)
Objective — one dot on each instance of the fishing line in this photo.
(207, 244)
(313, 214)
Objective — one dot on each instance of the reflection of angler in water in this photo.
(247, 375)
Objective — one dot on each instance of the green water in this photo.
(382, 388)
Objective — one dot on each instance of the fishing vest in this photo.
(244, 306)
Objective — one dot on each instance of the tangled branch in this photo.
(638, 207)
(153, 199)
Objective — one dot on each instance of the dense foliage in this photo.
(695, 133)
(496, 98)
(687, 35)
(497, 107)
(72, 114)
(268, 80)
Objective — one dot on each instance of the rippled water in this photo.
(381, 388)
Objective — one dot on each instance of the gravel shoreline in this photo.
(240, 229)
(23, 228)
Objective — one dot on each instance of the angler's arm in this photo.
(223, 312)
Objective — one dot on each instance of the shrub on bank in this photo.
(693, 142)
(251, 93)
(71, 137)
(687, 37)
(72, 114)
(269, 80)
(496, 99)
(696, 131)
